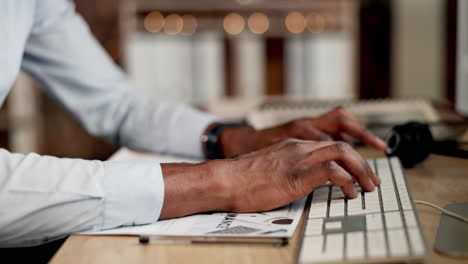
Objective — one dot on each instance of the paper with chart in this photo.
(281, 222)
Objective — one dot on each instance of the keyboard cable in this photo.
(444, 211)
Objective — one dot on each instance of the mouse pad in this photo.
(452, 237)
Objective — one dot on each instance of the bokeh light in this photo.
(295, 22)
(234, 23)
(258, 23)
(173, 24)
(153, 22)
(190, 24)
(316, 22)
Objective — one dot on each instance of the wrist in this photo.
(237, 140)
(224, 140)
(194, 188)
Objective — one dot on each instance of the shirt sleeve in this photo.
(44, 198)
(66, 61)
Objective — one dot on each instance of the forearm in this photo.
(194, 188)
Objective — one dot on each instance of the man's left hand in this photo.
(337, 124)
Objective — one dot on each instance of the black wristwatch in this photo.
(211, 139)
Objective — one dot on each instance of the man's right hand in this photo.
(265, 179)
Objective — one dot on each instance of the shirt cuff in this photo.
(134, 193)
(193, 123)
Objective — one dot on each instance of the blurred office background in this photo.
(204, 51)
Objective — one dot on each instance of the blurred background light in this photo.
(153, 22)
(295, 22)
(316, 22)
(173, 24)
(190, 24)
(258, 23)
(234, 23)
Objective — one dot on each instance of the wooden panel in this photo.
(451, 49)
(374, 49)
(275, 66)
(63, 136)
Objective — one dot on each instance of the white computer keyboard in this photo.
(378, 226)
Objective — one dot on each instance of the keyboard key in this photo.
(406, 203)
(318, 211)
(318, 207)
(372, 202)
(374, 222)
(337, 205)
(314, 227)
(355, 245)
(393, 220)
(334, 225)
(397, 242)
(401, 185)
(387, 188)
(355, 205)
(334, 247)
(416, 241)
(311, 248)
(376, 244)
(410, 219)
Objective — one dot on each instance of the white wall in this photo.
(418, 48)
(251, 65)
(320, 66)
(181, 69)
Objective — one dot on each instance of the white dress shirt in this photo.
(44, 198)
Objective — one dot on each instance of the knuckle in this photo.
(348, 180)
(367, 132)
(291, 143)
(341, 147)
(334, 172)
(342, 118)
(296, 124)
(324, 137)
(367, 169)
(330, 166)
(339, 110)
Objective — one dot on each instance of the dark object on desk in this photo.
(412, 142)
(36, 254)
(161, 239)
(452, 236)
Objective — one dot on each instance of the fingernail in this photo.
(381, 143)
(372, 184)
(379, 181)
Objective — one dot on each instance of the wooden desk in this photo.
(440, 180)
